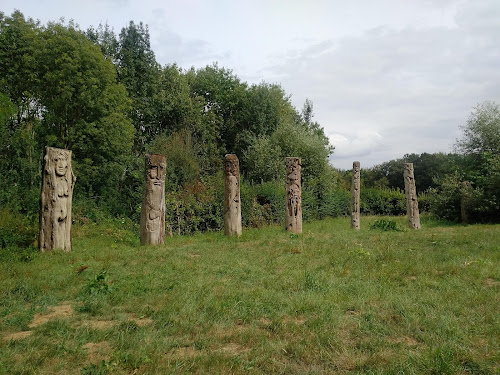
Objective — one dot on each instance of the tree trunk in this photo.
(232, 204)
(293, 219)
(153, 203)
(56, 199)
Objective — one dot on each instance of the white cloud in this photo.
(411, 86)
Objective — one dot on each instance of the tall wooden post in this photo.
(232, 204)
(153, 203)
(355, 196)
(293, 219)
(411, 197)
(56, 200)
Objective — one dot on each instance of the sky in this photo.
(386, 77)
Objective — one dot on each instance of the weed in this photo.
(311, 283)
(99, 285)
(385, 225)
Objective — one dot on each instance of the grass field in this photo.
(329, 301)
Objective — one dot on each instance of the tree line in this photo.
(466, 180)
(104, 96)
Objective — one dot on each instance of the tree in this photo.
(139, 72)
(224, 96)
(473, 190)
(105, 38)
(480, 145)
(265, 161)
(66, 95)
(482, 132)
(21, 111)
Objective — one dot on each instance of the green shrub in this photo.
(385, 225)
(197, 207)
(424, 201)
(262, 204)
(383, 201)
(16, 230)
(98, 285)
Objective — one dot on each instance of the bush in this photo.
(197, 207)
(385, 225)
(424, 201)
(458, 200)
(16, 230)
(389, 202)
(262, 204)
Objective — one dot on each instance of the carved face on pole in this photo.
(156, 181)
(232, 172)
(55, 200)
(355, 173)
(152, 222)
(61, 164)
(293, 177)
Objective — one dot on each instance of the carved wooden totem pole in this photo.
(153, 202)
(411, 197)
(232, 205)
(56, 199)
(293, 220)
(355, 192)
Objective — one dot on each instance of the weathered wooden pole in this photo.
(411, 197)
(355, 194)
(232, 205)
(153, 203)
(56, 199)
(293, 218)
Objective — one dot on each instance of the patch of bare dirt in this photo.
(298, 320)
(97, 351)
(184, 352)
(353, 312)
(142, 322)
(63, 310)
(223, 332)
(490, 283)
(403, 340)
(17, 335)
(265, 321)
(99, 324)
(234, 349)
(412, 277)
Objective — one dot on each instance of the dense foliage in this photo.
(105, 97)
(462, 186)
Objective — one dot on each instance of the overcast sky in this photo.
(387, 77)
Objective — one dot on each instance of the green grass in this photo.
(332, 300)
